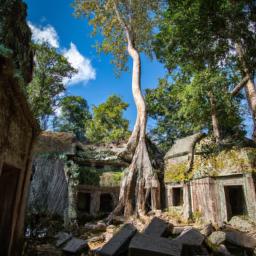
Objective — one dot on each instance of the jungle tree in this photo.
(108, 124)
(207, 33)
(74, 113)
(47, 86)
(127, 28)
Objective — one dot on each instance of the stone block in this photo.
(145, 245)
(240, 239)
(157, 227)
(61, 238)
(75, 245)
(190, 237)
(192, 242)
(119, 243)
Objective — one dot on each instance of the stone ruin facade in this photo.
(18, 128)
(214, 186)
(97, 188)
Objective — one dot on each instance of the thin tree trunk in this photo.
(249, 87)
(215, 121)
(140, 182)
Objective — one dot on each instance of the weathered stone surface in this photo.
(157, 227)
(118, 243)
(191, 241)
(62, 237)
(177, 230)
(190, 237)
(145, 245)
(216, 238)
(222, 250)
(207, 230)
(95, 227)
(47, 250)
(242, 224)
(240, 239)
(75, 245)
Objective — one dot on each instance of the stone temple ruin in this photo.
(211, 184)
(18, 128)
(216, 185)
(97, 188)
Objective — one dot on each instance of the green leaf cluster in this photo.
(137, 16)
(74, 113)
(47, 86)
(107, 124)
(182, 107)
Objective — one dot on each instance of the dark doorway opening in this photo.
(8, 190)
(106, 203)
(235, 201)
(84, 202)
(177, 196)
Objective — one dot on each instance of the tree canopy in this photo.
(184, 106)
(47, 86)
(108, 124)
(74, 114)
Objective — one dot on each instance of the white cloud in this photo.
(46, 34)
(83, 65)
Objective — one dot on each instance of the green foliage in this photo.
(15, 36)
(108, 124)
(89, 176)
(195, 34)
(47, 84)
(137, 16)
(73, 116)
(163, 106)
(183, 107)
(102, 177)
(195, 106)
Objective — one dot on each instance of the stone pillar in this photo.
(250, 195)
(187, 204)
(95, 203)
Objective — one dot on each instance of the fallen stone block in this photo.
(216, 238)
(191, 241)
(62, 237)
(222, 250)
(208, 229)
(240, 239)
(188, 250)
(157, 227)
(99, 227)
(190, 237)
(119, 243)
(145, 245)
(75, 245)
(177, 230)
(242, 224)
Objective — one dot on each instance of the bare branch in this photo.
(239, 86)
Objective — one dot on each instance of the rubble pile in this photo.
(154, 236)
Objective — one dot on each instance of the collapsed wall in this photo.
(220, 183)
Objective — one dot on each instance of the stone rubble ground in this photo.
(156, 234)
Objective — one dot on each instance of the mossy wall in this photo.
(100, 177)
(225, 162)
(15, 37)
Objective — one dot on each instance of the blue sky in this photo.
(96, 79)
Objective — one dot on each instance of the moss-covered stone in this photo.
(225, 161)
(15, 37)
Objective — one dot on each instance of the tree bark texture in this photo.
(215, 121)
(249, 86)
(140, 188)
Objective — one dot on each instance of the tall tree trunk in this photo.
(140, 186)
(249, 87)
(215, 121)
